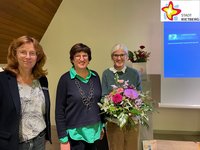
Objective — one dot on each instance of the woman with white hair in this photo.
(120, 139)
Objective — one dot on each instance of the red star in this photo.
(171, 11)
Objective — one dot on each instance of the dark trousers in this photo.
(103, 144)
(81, 145)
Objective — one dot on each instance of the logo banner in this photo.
(180, 10)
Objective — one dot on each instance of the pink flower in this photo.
(117, 98)
(120, 81)
(131, 93)
(120, 90)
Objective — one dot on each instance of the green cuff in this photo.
(64, 140)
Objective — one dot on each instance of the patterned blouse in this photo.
(32, 110)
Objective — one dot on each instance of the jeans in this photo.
(37, 143)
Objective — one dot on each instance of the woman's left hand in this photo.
(102, 134)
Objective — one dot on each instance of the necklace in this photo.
(87, 100)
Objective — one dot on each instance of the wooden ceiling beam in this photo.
(24, 17)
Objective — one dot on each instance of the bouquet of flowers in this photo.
(125, 105)
(139, 55)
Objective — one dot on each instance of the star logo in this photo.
(171, 11)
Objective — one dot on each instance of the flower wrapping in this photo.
(125, 106)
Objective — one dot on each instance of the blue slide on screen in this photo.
(181, 49)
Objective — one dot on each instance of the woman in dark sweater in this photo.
(78, 118)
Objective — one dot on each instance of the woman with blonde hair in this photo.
(24, 97)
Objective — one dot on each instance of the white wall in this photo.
(100, 25)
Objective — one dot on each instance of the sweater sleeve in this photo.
(104, 84)
(139, 83)
(64, 139)
(61, 103)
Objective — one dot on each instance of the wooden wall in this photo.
(24, 17)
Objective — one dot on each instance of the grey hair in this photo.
(119, 47)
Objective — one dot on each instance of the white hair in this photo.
(119, 47)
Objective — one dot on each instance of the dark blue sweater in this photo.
(71, 112)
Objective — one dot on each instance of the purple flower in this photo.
(131, 93)
(117, 98)
(138, 102)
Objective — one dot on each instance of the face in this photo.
(119, 57)
(80, 60)
(26, 56)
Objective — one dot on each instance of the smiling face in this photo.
(26, 56)
(119, 57)
(80, 60)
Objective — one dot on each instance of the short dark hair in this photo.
(80, 47)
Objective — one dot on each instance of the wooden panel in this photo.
(24, 17)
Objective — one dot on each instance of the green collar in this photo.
(73, 75)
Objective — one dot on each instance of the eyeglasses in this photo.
(24, 53)
(118, 55)
(81, 56)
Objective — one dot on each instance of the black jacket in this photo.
(10, 109)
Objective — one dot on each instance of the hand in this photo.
(102, 134)
(65, 146)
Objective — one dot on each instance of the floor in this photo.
(55, 142)
(177, 137)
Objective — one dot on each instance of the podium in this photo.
(146, 133)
